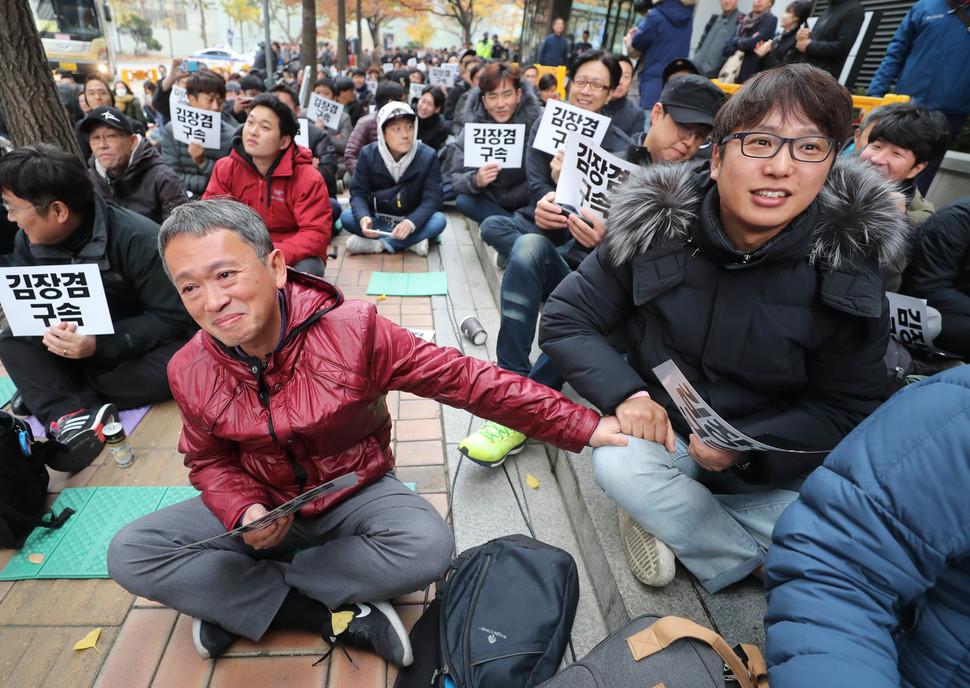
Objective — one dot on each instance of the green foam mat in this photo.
(79, 548)
(408, 283)
(7, 389)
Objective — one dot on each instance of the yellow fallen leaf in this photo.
(340, 620)
(381, 297)
(90, 640)
(531, 481)
(36, 558)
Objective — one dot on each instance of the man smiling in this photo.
(761, 278)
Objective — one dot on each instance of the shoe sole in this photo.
(387, 610)
(493, 464)
(86, 445)
(650, 560)
(197, 639)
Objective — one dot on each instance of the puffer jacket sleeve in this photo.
(941, 253)
(169, 190)
(308, 200)
(401, 361)
(463, 179)
(220, 183)
(176, 156)
(360, 184)
(430, 186)
(355, 144)
(872, 531)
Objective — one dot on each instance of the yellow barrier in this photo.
(559, 73)
(132, 76)
(863, 103)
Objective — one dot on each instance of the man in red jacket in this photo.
(282, 391)
(274, 176)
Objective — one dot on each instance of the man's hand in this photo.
(548, 214)
(588, 236)
(367, 228)
(267, 537)
(712, 459)
(644, 418)
(174, 72)
(197, 152)
(487, 174)
(63, 340)
(555, 165)
(607, 433)
(802, 39)
(402, 230)
(763, 48)
(241, 104)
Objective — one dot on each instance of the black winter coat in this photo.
(786, 340)
(833, 35)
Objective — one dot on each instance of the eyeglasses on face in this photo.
(107, 138)
(595, 86)
(759, 144)
(12, 212)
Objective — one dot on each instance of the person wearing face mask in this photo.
(431, 125)
(395, 195)
(781, 49)
(126, 101)
(489, 191)
(752, 29)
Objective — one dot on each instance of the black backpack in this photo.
(501, 618)
(23, 482)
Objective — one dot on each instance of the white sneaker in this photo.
(421, 248)
(499, 261)
(651, 561)
(359, 244)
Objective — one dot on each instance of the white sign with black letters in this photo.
(503, 144)
(179, 95)
(303, 133)
(909, 321)
(560, 119)
(589, 176)
(446, 74)
(38, 296)
(330, 111)
(414, 92)
(193, 124)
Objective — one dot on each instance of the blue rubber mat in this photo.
(408, 283)
(79, 548)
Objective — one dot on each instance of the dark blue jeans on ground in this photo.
(432, 228)
(501, 232)
(479, 207)
(534, 269)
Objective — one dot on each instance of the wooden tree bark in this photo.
(341, 34)
(308, 38)
(29, 100)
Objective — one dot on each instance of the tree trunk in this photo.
(29, 100)
(341, 35)
(309, 38)
(205, 39)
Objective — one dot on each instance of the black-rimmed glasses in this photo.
(759, 144)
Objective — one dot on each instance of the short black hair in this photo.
(326, 82)
(386, 92)
(414, 70)
(205, 82)
(802, 9)
(913, 127)
(288, 124)
(436, 95)
(547, 81)
(98, 77)
(608, 60)
(343, 83)
(288, 90)
(252, 83)
(41, 173)
(358, 71)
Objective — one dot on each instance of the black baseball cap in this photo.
(106, 114)
(681, 64)
(692, 99)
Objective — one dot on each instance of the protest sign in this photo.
(414, 92)
(712, 430)
(330, 111)
(371, 88)
(179, 95)
(192, 124)
(387, 67)
(303, 133)
(909, 321)
(561, 118)
(38, 296)
(589, 176)
(486, 143)
(446, 74)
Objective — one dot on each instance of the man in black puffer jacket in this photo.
(762, 280)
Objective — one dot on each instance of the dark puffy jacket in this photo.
(939, 271)
(325, 152)
(663, 35)
(627, 116)
(146, 311)
(510, 189)
(364, 132)
(292, 198)
(432, 132)
(833, 35)
(786, 340)
(869, 569)
(416, 195)
(147, 186)
(746, 41)
(782, 51)
(176, 156)
(324, 413)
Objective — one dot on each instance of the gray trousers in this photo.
(382, 542)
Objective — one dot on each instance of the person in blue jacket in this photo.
(752, 29)
(927, 60)
(395, 194)
(663, 35)
(868, 572)
(554, 51)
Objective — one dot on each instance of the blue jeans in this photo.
(534, 269)
(716, 524)
(501, 232)
(479, 207)
(432, 228)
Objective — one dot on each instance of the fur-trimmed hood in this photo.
(854, 215)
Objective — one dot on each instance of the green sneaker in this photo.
(490, 445)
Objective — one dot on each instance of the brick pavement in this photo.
(145, 644)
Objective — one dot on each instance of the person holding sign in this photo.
(762, 280)
(74, 382)
(395, 195)
(493, 188)
(283, 391)
(268, 171)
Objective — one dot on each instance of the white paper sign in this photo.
(179, 95)
(589, 176)
(712, 430)
(387, 67)
(371, 88)
(193, 124)
(36, 297)
(486, 143)
(909, 321)
(561, 118)
(412, 62)
(303, 133)
(446, 74)
(330, 111)
(414, 92)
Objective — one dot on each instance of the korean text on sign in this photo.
(192, 124)
(37, 297)
(909, 321)
(446, 74)
(330, 111)
(560, 119)
(502, 144)
(590, 176)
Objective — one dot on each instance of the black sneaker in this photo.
(82, 432)
(377, 627)
(17, 405)
(211, 640)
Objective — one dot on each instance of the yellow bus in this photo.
(75, 36)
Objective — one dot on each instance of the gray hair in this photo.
(201, 218)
